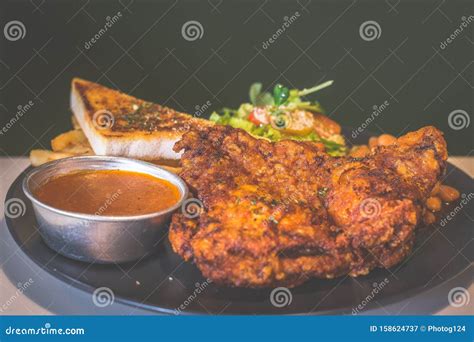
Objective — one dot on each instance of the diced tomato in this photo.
(259, 116)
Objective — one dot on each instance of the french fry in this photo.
(38, 157)
(175, 170)
(169, 165)
(72, 138)
(78, 150)
(75, 123)
(72, 143)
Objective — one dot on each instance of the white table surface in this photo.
(48, 295)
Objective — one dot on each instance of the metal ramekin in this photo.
(94, 238)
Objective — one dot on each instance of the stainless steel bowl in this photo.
(94, 238)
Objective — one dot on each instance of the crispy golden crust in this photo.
(281, 213)
(132, 116)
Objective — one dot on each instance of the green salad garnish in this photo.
(283, 114)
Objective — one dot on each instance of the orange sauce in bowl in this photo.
(108, 193)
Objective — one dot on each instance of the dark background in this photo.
(145, 54)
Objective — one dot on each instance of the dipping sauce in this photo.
(108, 193)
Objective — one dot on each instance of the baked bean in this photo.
(428, 217)
(448, 193)
(386, 139)
(433, 203)
(435, 190)
(373, 141)
(359, 151)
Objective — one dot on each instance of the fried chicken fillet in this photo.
(281, 213)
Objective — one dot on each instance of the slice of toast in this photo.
(117, 124)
